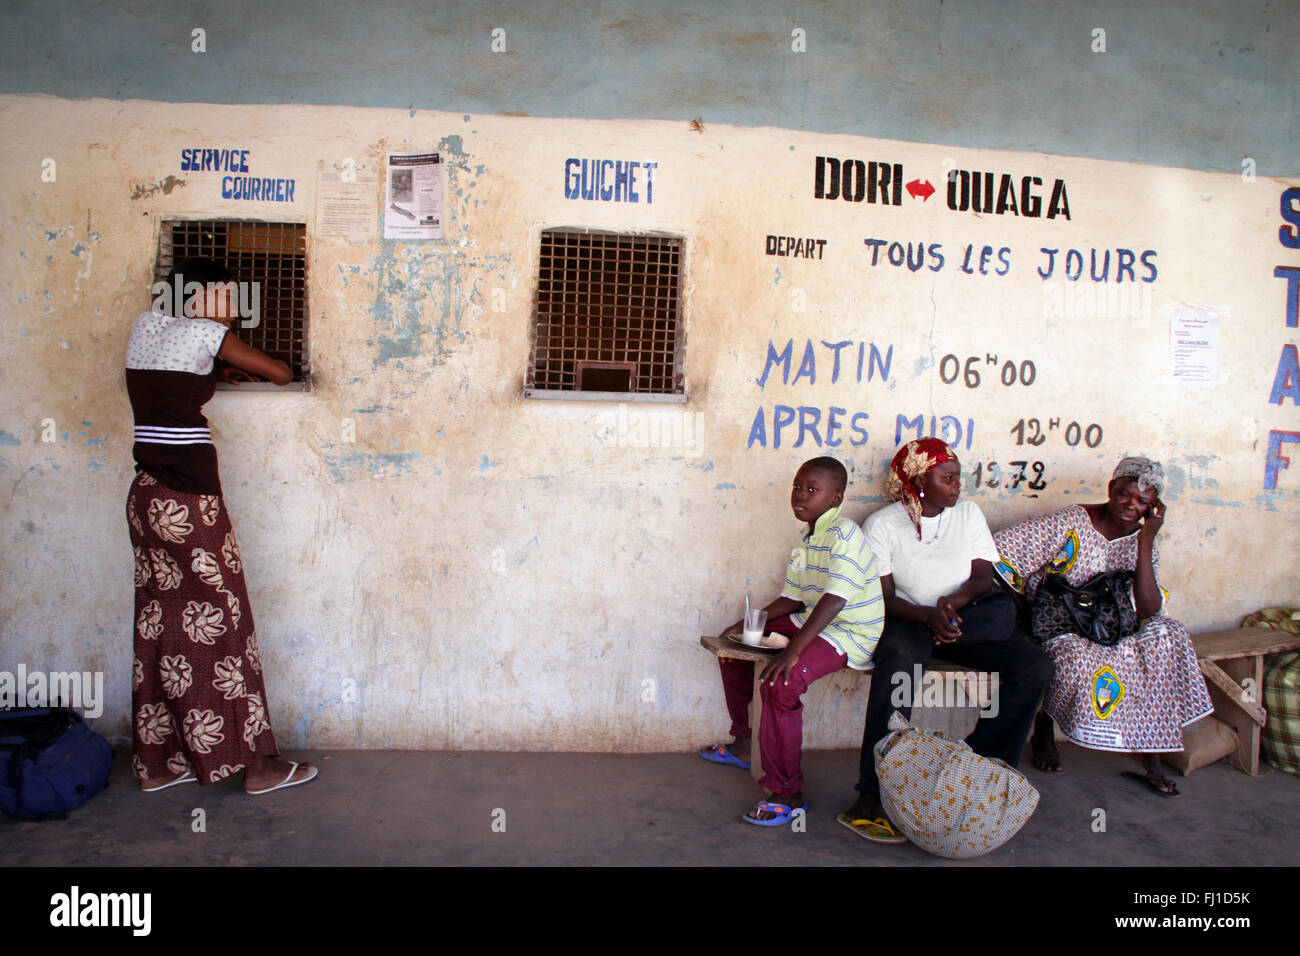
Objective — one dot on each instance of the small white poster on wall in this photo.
(345, 201)
(1194, 344)
(413, 196)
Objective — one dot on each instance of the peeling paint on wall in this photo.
(164, 186)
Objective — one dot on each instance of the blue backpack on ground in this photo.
(50, 762)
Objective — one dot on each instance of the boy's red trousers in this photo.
(780, 733)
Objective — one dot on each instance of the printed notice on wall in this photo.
(1194, 343)
(345, 201)
(413, 199)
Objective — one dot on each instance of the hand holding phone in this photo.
(1152, 520)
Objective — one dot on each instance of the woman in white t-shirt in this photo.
(935, 556)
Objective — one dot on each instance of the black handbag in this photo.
(1100, 609)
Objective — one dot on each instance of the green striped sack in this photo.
(1281, 738)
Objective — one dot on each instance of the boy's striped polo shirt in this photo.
(834, 558)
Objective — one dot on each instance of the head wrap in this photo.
(1149, 474)
(910, 464)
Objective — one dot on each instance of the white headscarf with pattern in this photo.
(1149, 474)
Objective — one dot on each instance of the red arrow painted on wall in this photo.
(917, 188)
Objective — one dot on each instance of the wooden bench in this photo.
(1233, 664)
(954, 722)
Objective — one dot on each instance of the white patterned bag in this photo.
(946, 798)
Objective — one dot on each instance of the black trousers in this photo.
(990, 641)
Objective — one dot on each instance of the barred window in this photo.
(608, 318)
(271, 259)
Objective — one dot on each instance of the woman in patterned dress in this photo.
(198, 699)
(1137, 696)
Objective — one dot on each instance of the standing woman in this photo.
(935, 556)
(198, 700)
(1134, 697)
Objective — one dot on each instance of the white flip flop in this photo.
(186, 777)
(288, 781)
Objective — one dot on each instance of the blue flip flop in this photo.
(720, 754)
(784, 814)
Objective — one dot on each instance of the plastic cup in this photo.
(755, 621)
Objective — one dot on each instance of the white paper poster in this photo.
(413, 197)
(345, 203)
(1194, 344)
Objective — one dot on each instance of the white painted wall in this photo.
(478, 571)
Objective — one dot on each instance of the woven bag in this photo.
(1280, 742)
(1281, 739)
(946, 798)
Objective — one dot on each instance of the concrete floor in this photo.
(422, 808)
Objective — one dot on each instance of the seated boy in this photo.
(832, 610)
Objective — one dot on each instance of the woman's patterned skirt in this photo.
(1135, 696)
(198, 699)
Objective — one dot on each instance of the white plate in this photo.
(754, 647)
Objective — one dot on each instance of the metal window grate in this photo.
(606, 300)
(272, 254)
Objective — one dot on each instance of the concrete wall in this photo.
(436, 562)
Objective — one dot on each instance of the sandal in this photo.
(784, 814)
(1157, 782)
(877, 829)
(186, 777)
(288, 780)
(718, 753)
